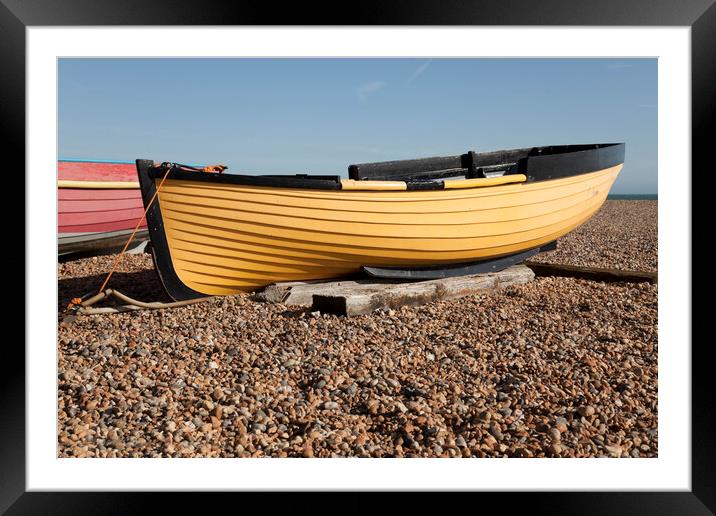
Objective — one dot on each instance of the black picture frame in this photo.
(16, 15)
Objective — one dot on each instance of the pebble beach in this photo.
(558, 367)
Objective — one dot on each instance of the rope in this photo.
(214, 169)
(136, 228)
(133, 303)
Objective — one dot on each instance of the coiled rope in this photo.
(131, 304)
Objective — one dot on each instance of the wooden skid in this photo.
(592, 273)
(356, 297)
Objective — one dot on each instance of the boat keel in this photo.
(458, 269)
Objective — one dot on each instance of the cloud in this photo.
(366, 89)
(419, 70)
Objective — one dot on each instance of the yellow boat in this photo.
(221, 234)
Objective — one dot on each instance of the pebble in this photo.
(496, 432)
(586, 411)
(555, 435)
(561, 424)
(624, 232)
(232, 377)
(614, 450)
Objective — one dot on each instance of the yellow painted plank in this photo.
(405, 249)
(473, 212)
(481, 182)
(299, 196)
(437, 201)
(211, 285)
(98, 185)
(352, 184)
(325, 230)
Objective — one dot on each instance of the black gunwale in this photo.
(539, 165)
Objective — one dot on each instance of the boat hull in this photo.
(96, 171)
(214, 238)
(97, 241)
(98, 206)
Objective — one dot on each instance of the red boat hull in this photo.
(90, 211)
(91, 171)
(97, 218)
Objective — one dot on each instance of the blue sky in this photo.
(268, 116)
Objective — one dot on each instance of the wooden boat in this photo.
(99, 204)
(217, 234)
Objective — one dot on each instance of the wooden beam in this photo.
(356, 298)
(298, 293)
(592, 273)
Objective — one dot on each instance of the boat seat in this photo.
(470, 165)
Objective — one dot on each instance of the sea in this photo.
(633, 197)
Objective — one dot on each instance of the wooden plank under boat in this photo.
(98, 205)
(220, 234)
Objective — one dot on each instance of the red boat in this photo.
(99, 204)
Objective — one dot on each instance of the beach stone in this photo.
(555, 435)
(561, 424)
(614, 450)
(496, 432)
(434, 380)
(586, 411)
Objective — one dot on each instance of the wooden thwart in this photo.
(361, 296)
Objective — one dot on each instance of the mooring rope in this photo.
(133, 304)
(118, 258)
